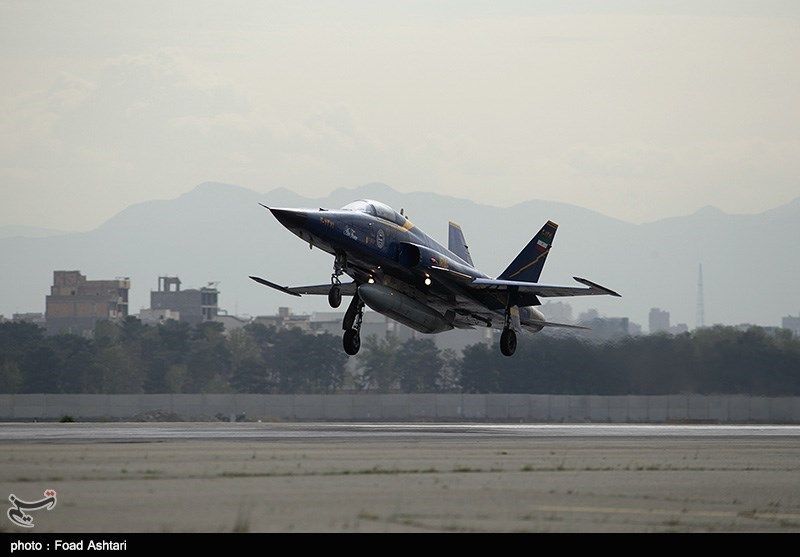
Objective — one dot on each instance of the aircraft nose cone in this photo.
(290, 218)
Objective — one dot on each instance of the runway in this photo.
(387, 477)
(155, 432)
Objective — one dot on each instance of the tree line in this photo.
(173, 357)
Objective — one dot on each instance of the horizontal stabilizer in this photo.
(560, 325)
(596, 286)
(348, 289)
(543, 290)
(534, 325)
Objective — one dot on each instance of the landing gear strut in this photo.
(351, 341)
(335, 293)
(508, 339)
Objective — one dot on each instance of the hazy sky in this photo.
(635, 109)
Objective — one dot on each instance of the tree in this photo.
(251, 375)
(129, 357)
(39, 368)
(78, 360)
(378, 365)
(448, 380)
(163, 352)
(10, 378)
(175, 378)
(478, 369)
(325, 362)
(17, 339)
(418, 365)
(119, 374)
(209, 357)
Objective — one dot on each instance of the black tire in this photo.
(508, 342)
(335, 296)
(351, 342)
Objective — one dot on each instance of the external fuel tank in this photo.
(403, 309)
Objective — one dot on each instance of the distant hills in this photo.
(218, 232)
(10, 231)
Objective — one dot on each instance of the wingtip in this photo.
(591, 284)
(265, 282)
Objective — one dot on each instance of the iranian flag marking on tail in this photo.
(542, 244)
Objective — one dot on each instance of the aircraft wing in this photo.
(543, 290)
(348, 289)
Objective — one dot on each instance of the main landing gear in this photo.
(335, 293)
(351, 341)
(508, 342)
(508, 339)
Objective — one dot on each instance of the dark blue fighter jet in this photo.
(403, 273)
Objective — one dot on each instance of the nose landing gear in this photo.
(351, 342)
(335, 293)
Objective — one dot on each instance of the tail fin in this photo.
(528, 265)
(457, 244)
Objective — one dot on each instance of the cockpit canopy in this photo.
(376, 209)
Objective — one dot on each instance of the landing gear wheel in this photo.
(508, 342)
(351, 342)
(335, 296)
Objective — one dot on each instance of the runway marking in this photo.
(147, 432)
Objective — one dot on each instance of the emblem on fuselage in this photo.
(380, 238)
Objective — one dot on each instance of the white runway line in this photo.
(141, 432)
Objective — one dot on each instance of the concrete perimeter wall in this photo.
(411, 407)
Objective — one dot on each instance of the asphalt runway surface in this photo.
(285, 477)
(143, 432)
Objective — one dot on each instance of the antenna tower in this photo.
(701, 310)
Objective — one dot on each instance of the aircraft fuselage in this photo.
(401, 257)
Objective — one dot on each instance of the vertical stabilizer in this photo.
(528, 265)
(457, 244)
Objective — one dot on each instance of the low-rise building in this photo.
(158, 316)
(76, 304)
(792, 323)
(607, 328)
(285, 319)
(194, 305)
(658, 321)
(557, 312)
(678, 329)
(232, 322)
(35, 318)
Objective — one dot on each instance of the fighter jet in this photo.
(402, 273)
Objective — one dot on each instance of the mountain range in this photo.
(218, 232)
